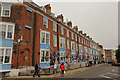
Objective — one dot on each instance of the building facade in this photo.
(32, 34)
(108, 55)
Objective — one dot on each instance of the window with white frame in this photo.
(45, 22)
(79, 39)
(72, 35)
(54, 41)
(72, 45)
(45, 37)
(62, 42)
(62, 30)
(76, 37)
(5, 11)
(62, 56)
(76, 47)
(54, 27)
(5, 55)
(1, 55)
(67, 33)
(80, 48)
(44, 56)
(85, 49)
(67, 44)
(6, 30)
(82, 40)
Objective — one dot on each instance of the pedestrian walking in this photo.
(90, 62)
(55, 68)
(36, 70)
(95, 62)
(62, 69)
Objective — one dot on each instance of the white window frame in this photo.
(68, 44)
(2, 11)
(79, 39)
(44, 56)
(54, 27)
(45, 36)
(80, 48)
(55, 42)
(6, 23)
(67, 33)
(72, 44)
(45, 20)
(76, 47)
(5, 53)
(63, 42)
(76, 37)
(62, 30)
(72, 35)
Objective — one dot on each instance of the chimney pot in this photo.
(48, 8)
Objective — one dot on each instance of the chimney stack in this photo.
(48, 8)
(88, 37)
(69, 23)
(84, 34)
(80, 32)
(60, 17)
(76, 28)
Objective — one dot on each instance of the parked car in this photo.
(115, 63)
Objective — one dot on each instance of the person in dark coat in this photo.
(36, 70)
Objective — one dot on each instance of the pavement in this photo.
(68, 74)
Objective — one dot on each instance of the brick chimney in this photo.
(69, 23)
(84, 34)
(48, 8)
(88, 37)
(76, 28)
(80, 32)
(60, 17)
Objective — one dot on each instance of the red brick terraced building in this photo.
(32, 34)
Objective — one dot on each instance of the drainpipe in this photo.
(34, 33)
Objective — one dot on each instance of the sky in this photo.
(96, 18)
